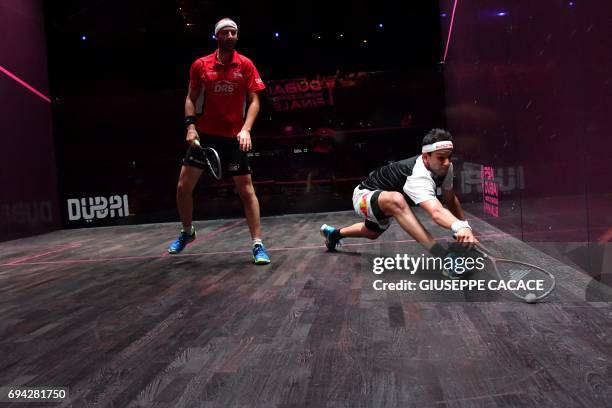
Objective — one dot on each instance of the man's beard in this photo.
(227, 45)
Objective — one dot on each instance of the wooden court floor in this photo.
(107, 313)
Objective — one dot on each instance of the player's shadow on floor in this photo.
(214, 263)
(599, 289)
(346, 252)
(485, 274)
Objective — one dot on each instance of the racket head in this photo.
(531, 283)
(525, 274)
(213, 162)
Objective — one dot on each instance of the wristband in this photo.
(459, 225)
(190, 120)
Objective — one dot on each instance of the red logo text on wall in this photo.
(308, 93)
(490, 192)
(301, 93)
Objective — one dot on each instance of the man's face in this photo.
(226, 38)
(438, 162)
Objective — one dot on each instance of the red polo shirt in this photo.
(225, 91)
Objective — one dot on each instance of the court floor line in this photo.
(211, 234)
(18, 261)
(196, 254)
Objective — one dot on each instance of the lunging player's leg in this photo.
(358, 230)
(394, 204)
(390, 204)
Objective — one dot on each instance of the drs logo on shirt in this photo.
(225, 87)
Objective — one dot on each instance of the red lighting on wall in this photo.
(25, 84)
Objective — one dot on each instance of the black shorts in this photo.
(234, 162)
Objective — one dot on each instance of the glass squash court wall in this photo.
(28, 187)
(528, 88)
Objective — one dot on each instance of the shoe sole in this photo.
(261, 261)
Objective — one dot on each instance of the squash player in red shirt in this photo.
(228, 82)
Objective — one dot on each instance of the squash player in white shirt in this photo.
(390, 192)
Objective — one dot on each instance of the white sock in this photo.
(257, 241)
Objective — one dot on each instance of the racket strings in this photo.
(523, 278)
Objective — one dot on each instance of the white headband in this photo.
(224, 23)
(445, 144)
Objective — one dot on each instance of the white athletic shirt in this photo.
(420, 185)
(409, 177)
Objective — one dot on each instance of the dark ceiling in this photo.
(113, 45)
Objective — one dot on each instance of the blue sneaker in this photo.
(260, 256)
(451, 272)
(327, 232)
(182, 241)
